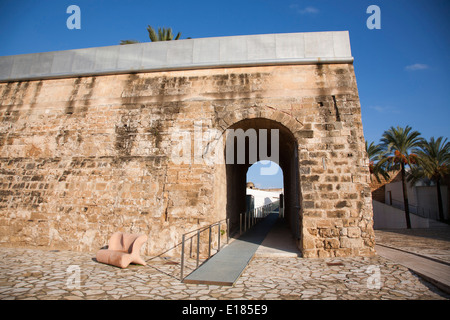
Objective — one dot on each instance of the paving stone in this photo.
(264, 278)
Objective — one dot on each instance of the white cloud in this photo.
(309, 10)
(306, 10)
(381, 109)
(416, 66)
(378, 108)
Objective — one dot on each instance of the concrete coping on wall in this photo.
(218, 52)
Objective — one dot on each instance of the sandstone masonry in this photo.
(84, 156)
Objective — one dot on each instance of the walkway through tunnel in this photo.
(252, 140)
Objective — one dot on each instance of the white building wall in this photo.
(420, 198)
(427, 199)
(387, 217)
(262, 197)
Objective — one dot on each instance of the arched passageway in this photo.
(262, 188)
(252, 140)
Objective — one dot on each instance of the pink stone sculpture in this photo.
(123, 249)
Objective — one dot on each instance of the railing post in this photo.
(198, 246)
(253, 218)
(248, 220)
(228, 230)
(209, 242)
(218, 238)
(240, 224)
(182, 257)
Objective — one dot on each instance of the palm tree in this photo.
(433, 163)
(400, 145)
(375, 153)
(162, 35)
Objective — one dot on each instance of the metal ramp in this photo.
(225, 267)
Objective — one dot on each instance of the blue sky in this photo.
(402, 69)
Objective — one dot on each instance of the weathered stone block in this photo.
(353, 232)
(331, 244)
(351, 242)
(83, 157)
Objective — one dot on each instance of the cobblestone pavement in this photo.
(433, 243)
(45, 274)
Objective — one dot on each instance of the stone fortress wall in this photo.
(86, 151)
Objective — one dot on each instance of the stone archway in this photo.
(323, 196)
(235, 173)
(229, 118)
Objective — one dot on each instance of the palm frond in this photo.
(401, 145)
(164, 34)
(377, 166)
(152, 34)
(123, 42)
(434, 158)
(161, 35)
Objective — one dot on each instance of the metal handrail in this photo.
(252, 217)
(197, 234)
(249, 219)
(417, 210)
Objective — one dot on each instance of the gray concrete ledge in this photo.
(235, 51)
